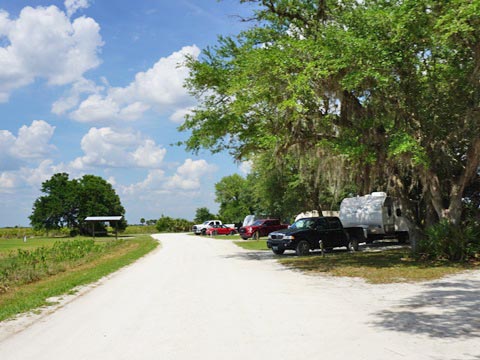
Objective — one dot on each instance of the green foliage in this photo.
(376, 95)
(168, 224)
(26, 266)
(234, 194)
(203, 214)
(447, 241)
(68, 202)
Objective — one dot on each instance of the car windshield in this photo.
(303, 224)
(206, 222)
(258, 223)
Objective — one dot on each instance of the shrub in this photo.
(447, 241)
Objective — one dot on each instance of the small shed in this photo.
(110, 219)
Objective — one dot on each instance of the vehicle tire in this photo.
(232, 232)
(244, 238)
(214, 233)
(352, 244)
(256, 235)
(204, 231)
(278, 251)
(303, 248)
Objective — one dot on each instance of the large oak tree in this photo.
(379, 92)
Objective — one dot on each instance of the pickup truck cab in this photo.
(261, 228)
(201, 229)
(313, 233)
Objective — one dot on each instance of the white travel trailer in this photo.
(378, 214)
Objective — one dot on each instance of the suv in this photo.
(261, 228)
(314, 233)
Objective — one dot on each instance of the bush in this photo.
(168, 224)
(447, 241)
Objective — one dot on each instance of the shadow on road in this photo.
(445, 309)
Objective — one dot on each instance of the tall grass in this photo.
(26, 266)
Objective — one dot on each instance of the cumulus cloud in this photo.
(25, 176)
(72, 6)
(44, 43)
(107, 147)
(159, 88)
(73, 97)
(31, 144)
(188, 176)
(179, 115)
(187, 179)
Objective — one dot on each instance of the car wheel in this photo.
(214, 232)
(256, 235)
(278, 251)
(303, 248)
(232, 232)
(204, 231)
(352, 244)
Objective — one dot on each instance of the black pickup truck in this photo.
(313, 233)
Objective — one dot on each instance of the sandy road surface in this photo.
(198, 298)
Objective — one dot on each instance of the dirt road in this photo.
(197, 298)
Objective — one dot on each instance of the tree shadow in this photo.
(445, 309)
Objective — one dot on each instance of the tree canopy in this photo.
(67, 203)
(372, 95)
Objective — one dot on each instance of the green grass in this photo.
(252, 244)
(388, 266)
(23, 298)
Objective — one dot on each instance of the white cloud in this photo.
(31, 144)
(106, 147)
(160, 88)
(33, 141)
(43, 43)
(186, 180)
(152, 183)
(179, 115)
(29, 176)
(189, 175)
(73, 98)
(73, 5)
(246, 167)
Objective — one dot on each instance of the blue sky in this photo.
(95, 87)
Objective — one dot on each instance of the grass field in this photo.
(32, 272)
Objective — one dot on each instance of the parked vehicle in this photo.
(378, 214)
(220, 230)
(261, 228)
(202, 228)
(314, 233)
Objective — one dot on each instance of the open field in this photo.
(33, 272)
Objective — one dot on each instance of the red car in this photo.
(220, 230)
(261, 228)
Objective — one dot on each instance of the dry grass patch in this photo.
(388, 266)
